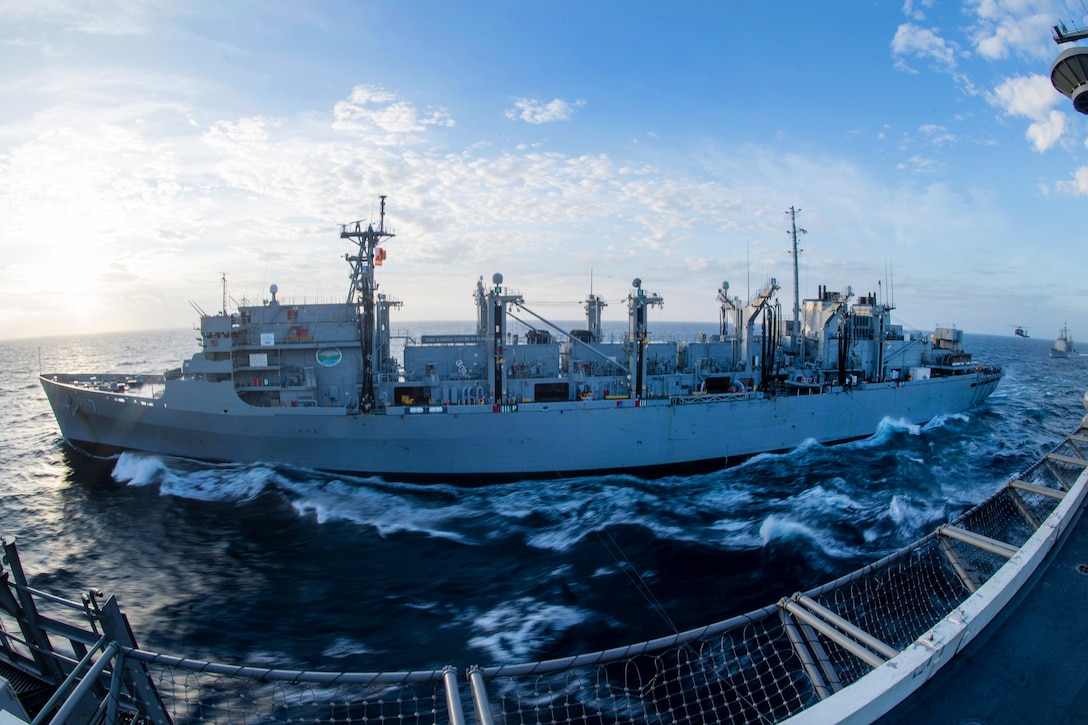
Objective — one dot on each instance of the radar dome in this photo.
(496, 278)
(1069, 76)
(636, 283)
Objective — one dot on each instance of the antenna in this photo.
(224, 277)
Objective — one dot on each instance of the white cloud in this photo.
(1032, 97)
(108, 17)
(1078, 186)
(917, 163)
(173, 179)
(1044, 134)
(533, 111)
(916, 11)
(1003, 27)
(937, 134)
(1029, 96)
(914, 41)
(380, 115)
(164, 207)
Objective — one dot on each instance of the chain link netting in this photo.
(200, 697)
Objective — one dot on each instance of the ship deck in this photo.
(1027, 665)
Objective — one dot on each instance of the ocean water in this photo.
(301, 569)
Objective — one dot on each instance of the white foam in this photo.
(803, 449)
(909, 516)
(941, 420)
(388, 512)
(738, 534)
(887, 428)
(204, 483)
(514, 630)
(218, 484)
(346, 647)
(779, 528)
(137, 469)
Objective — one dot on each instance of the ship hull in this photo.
(486, 443)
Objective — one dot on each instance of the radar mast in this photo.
(363, 288)
(796, 332)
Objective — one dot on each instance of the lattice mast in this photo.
(794, 229)
(638, 336)
(362, 291)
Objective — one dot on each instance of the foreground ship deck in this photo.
(318, 386)
(848, 651)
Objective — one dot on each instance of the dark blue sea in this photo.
(306, 570)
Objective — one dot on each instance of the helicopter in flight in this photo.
(1020, 331)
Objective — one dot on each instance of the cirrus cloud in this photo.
(533, 111)
(376, 113)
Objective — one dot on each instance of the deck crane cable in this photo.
(636, 579)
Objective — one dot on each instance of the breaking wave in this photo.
(514, 630)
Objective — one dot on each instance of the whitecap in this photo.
(218, 484)
(137, 469)
(737, 534)
(514, 630)
(804, 447)
(388, 513)
(886, 430)
(346, 647)
(941, 420)
(907, 516)
(775, 529)
(778, 528)
(207, 482)
(823, 500)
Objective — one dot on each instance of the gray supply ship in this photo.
(317, 386)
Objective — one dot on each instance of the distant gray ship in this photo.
(317, 386)
(1063, 345)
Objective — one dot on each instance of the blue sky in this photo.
(146, 148)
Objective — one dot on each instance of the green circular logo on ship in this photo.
(329, 356)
